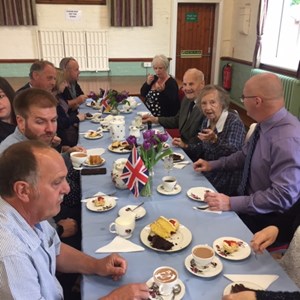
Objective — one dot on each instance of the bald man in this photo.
(188, 119)
(273, 181)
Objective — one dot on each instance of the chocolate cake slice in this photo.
(236, 288)
(159, 242)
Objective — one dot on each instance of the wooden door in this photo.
(195, 30)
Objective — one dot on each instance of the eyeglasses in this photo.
(243, 97)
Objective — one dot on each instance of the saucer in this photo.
(176, 190)
(139, 212)
(154, 292)
(213, 269)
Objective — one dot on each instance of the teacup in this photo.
(203, 255)
(123, 225)
(78, 158)
(169, 183)
(166, 278)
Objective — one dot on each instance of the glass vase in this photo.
(147, 190)
(115, 111)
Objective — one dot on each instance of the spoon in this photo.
(176, 290)
(130, 209)
(204, 207)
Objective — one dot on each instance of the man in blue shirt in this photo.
(32, 186)
(273, 181)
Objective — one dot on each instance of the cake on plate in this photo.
(99, 201)
(230, 246)
(163, 227)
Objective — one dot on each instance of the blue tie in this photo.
(252, 143)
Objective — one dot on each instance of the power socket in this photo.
(147, 64)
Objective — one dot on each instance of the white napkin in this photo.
(182, 164)
(119, 244)
(261, 280)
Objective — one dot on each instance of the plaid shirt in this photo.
(230, 140)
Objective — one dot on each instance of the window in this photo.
(281, 39)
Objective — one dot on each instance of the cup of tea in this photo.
(123, 225)
(78, 158)
(203, 255)
(169, 183)
(165, 278)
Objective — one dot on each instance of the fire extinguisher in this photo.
(227, 76)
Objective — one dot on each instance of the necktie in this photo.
(252, 143)
(192, 104)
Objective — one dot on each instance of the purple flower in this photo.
(131, 140)
(146, 145)
(148, 134)
(163, 137)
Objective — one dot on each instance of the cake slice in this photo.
(100, 201)
(230, 246)
(159, 243)
(162, 227)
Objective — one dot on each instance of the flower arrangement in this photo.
(151, 151)
(114, 98)
(111, 99)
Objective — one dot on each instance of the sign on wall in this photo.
(191, 17)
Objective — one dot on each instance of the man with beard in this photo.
(36, 117)
(73, 93)
(189, 117)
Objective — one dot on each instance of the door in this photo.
(194, 46)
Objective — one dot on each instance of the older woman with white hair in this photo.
(160, 91)
(221, 133)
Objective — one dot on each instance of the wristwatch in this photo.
(59, 230)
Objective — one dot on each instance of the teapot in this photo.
(117, 130)
(116, 172)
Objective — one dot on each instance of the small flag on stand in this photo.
(135, 173)
(104, 104)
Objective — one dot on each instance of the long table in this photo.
(205, 227)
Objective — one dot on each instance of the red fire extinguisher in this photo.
(227, 76)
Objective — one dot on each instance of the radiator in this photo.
(291, 88)
(89, 48)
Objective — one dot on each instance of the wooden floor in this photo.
(132, 84)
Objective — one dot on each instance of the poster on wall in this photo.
(73, 14)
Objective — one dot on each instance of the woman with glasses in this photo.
(7, 115)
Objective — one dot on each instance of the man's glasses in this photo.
(243, 97)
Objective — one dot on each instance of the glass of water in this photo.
(168, 163)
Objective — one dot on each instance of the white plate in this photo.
(243, 252)
(176, 190)
(139, 212)
(99, 136)
(126, 111)
(197, 193)
(104, 128)
(86, 164)
(181, 239)
(213, 269)
(110, 203)
(97, 119)
(118, 150)
(154, 293)
(165, 146)
(144, 113)
(248, 285)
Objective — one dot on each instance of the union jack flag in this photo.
(135, 174)
(104, 104)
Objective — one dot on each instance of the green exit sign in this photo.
(191, 17)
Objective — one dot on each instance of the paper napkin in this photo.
(119, 244)
(261, 280)
(182, 164)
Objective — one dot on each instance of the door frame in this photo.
(217, 36)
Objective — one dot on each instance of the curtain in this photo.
(128, 13)
(262, 13)
(17, 12)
